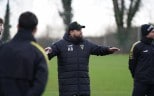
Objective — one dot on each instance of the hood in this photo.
(75, 41)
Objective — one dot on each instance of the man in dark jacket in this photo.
(23, 63)
(73, 54)
(1, 28)
(141, 63)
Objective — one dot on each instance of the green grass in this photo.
(109, 76)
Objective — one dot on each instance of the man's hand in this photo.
(114, 49)
(48, 50)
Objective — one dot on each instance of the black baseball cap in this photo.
(75, 26)
(146, 29)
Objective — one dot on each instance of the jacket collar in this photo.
(24, 35)
(147, 40)
(68, 38)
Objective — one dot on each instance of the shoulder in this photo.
(58, 42)
(39, 49)
(135, 45)
(87, 41)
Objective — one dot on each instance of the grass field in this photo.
(109, 76)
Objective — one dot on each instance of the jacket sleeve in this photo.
(40, 75)
(133, 55)
(99, 50)
(54, 51)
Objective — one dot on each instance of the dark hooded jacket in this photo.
(141, 61)
(73, 64)
(23, 67)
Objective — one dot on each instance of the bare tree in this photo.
(123, 18)
(67, 14)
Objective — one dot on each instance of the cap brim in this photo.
(81, 26)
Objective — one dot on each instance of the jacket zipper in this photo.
(77, 68)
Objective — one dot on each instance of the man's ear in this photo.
(71, 32)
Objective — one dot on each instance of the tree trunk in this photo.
(67, 14)
(120, 11)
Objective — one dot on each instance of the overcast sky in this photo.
(96, 15)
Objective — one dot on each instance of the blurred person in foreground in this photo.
(1, 29)
(73, 53)
(141, 63)
(23, 63)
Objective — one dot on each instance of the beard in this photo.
(79, 37)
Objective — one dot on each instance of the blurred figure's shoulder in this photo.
(136, 43)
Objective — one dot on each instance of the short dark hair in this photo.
(28, 20)
(1, 20)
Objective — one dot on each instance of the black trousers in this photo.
(143, 89)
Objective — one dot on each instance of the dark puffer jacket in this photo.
(73, 58)
(23, 66)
